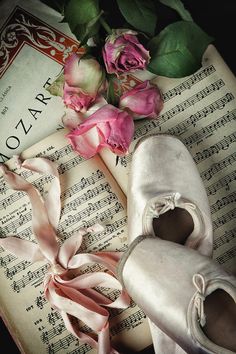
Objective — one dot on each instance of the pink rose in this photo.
(74, 98)
(85, 74)
(123, 53)
(144, 100)
(83, 81)
(107, 127)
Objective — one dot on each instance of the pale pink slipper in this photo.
(166, 198)
(187, 295)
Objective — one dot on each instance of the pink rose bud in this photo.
(74, 98)
(144, 100)
(85, 74)
(123, 53)
(83, 80)
(107, 127)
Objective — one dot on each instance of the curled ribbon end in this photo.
(203, 320)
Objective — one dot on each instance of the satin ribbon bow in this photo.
(72, 295)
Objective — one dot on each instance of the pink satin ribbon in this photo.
(72, 295)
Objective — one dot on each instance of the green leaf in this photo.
(111, 95)
(177, 50)
(141, 14)
(87, 30)
(178, 6)
(79, 12)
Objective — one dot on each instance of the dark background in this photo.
(218, 19)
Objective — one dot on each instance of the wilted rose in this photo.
(123, 52)
(85, 74)
(144, 100)
(74, 98)
(83, 80)
(108, 127)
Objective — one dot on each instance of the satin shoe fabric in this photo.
(163, 176)
(170, 283)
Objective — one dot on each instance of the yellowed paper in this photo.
(89, 195)
(201, 110)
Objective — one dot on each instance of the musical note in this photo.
(61, 343)
(40, 301)
(53, 317)
(128, 323)
(215, 149)
(223, 219)
(221, 183)
(188, 83)
(226, 256)
(225, 238)
(66, 166)
(223, 202)
(29, 278)
(84, 182)
(218, 166)
(208, 130)
(16, 269)
(89, 194)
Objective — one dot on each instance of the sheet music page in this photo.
(34, 44)
(200, 110)
(89, 195)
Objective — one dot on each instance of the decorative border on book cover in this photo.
(23, 28)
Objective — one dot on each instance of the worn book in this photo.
(34, 44)
(200, 110)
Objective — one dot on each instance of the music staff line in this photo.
(58, 329)
(222, 144)
(83, 349)
(65, 150)
(89, 194)
(207, 174)
(188, 83)
(87, 211)
(182, 127)
(223, 202)
(221, 183)
(56, 155)
(223, 219)
(82, 184)
(128, 323)
(226, 256)
(29, 278)
(16, 269)
(225, 238)
(47, 336)
(61, 343)
(192, 120)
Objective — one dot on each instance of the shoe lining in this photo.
(175, 225)
(220, 311)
